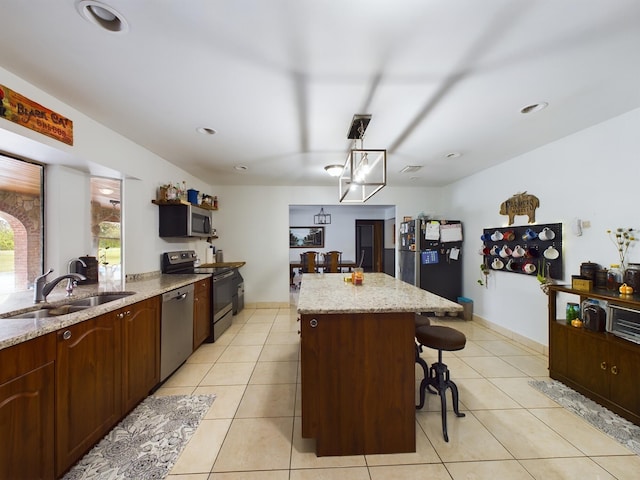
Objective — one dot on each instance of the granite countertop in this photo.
(223, 264)
(380, 293)
(14, 331)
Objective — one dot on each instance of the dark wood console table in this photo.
(600, 365)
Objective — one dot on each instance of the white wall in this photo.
(591, 175)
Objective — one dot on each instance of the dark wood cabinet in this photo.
(88, 385)
(599, 365)
(141, 350)
(358, 382)
(27, 412)
(201, 312)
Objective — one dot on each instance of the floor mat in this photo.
(147, 443)
(615, 426)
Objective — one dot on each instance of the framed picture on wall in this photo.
(306, 237)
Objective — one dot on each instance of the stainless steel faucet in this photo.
(72, 283)
(43, 288)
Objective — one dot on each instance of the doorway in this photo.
(370, 240)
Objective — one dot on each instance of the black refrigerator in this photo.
(431, 256)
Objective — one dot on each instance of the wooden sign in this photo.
(520, 204)
(25, 112)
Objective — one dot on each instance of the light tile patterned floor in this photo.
(510, 431)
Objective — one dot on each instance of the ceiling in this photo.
(280, 80)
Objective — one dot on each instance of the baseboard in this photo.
(516, 337)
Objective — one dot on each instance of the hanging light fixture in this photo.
(365, 170)
(322, 218)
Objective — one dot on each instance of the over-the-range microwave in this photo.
(185, 221)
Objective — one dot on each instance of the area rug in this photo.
(600, 417)
(147, 443)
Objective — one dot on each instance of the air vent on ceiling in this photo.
(411, 168)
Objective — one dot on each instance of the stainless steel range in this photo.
(183, 262)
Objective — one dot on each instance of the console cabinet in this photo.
(27, 409)
(601, 366)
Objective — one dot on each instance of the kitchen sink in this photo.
(49, 312)
(73, 306)
(99, 299)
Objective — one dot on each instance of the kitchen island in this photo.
(357, 361)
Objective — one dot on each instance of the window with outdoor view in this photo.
(106, 227)
(21, 223)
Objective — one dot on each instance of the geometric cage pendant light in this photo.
(365, 170)
(322, 218)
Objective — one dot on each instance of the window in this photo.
(21, 223)
(106, 227)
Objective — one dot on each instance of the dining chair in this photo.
(308, 260)
(332, 261)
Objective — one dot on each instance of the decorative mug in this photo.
(485, 237)
(505, 251)
(529, 235)
(529, 268)
(496, 236)
(547, 234)
(494, 250)
(511, 265)
(532, 252)
(551, 253)
(518, 252)
(509, 235)
(497, 264)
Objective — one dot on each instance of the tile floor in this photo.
(510, 431)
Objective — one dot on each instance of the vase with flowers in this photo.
(622, 238)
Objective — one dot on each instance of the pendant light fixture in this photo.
(322, 218)
(365, 170)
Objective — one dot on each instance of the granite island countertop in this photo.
(380, 293)
(14, 331)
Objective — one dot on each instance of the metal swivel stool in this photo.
(436, 378)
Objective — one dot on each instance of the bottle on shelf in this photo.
(614, 277)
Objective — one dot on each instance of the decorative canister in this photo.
(600, 280)
(632, 276)
(588, 270)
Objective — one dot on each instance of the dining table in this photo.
(297, 264)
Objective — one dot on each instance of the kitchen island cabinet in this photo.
(599, 365)
(27, 409)
(357, 362)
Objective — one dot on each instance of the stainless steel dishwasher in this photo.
(176, 341)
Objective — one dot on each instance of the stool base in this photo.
(437, 381)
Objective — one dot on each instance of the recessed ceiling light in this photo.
(453, 155)
(106, 191)
(534, 107)
(334, 170)
(102, 15)
(411, 168)
(206, 130)
(241, 168)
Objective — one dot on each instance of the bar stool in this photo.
(437, 379)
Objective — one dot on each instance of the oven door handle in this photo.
(217, 278)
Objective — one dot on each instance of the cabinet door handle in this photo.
(603, 365)
(313, 323)
(66, 335)
(614, 370)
